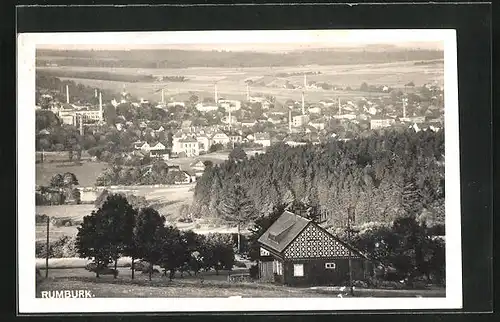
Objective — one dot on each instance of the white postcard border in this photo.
(28, 303)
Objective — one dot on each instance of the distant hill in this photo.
(183, 59)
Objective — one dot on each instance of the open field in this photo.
(167, 200)
(86, 173)
(231, 81)
(210, 285)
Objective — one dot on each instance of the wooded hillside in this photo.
(381, 178)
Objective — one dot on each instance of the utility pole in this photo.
(47, 250)
(350, 216)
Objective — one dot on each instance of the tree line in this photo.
(381, 177)
(156, 173)
(187, 58)
(118, 229)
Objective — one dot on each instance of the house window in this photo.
(330, 265)
(298, 269)
(277, 267)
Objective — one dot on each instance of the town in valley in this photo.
(220, 173)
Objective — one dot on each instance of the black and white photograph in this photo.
(238, 170)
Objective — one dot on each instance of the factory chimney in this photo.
(230, 107)
(100, 107)
(404, 108)
(303, 105)
(81, 124)
(215, 94)
(340, 108)
(67, 94)
(162, 96)
(289, 120)
(95, 92)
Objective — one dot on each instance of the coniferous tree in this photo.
(236, 207)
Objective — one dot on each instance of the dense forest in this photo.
(184, 58)
(379, 178)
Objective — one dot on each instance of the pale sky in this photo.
(267, 41)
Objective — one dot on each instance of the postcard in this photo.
(243, 171)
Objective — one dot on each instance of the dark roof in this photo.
(283, 231)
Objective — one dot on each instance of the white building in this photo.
(221, 138)
(263, 139)
(206, 108)
(160, 151)
(300, 120)
(381, 123)
(232, 105)
(173, 104)
(248, 123)
(204, 142)
(318, 124)
(190, 147)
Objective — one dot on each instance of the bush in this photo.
(240, 264)
(383, 284)
(360, 284)
(254, 271)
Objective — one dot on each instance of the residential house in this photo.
(300, 120)
(204, 142)
(235, 137)
(379, 123)
(206, 108)
(174, 104)
(314, 110)
(263, 139)
(221, 138)
(318, 124)
(275, 120)
(198, 168)
(159, 150)
(189, 146)
(248, 123)
(296, 251)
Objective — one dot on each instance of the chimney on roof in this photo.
(67, 94)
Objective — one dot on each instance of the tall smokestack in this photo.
(248, 93)
(340, 108)
(215, 93)
(404, 108)
(81, 124)
(290, 120)
(162, 96)
(100, 107)
(67, 94)
(303, 105)
(95, 92)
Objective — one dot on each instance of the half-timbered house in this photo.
(298, 252)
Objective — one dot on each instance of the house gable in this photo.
(314, 242)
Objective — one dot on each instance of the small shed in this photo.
(296, 251)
